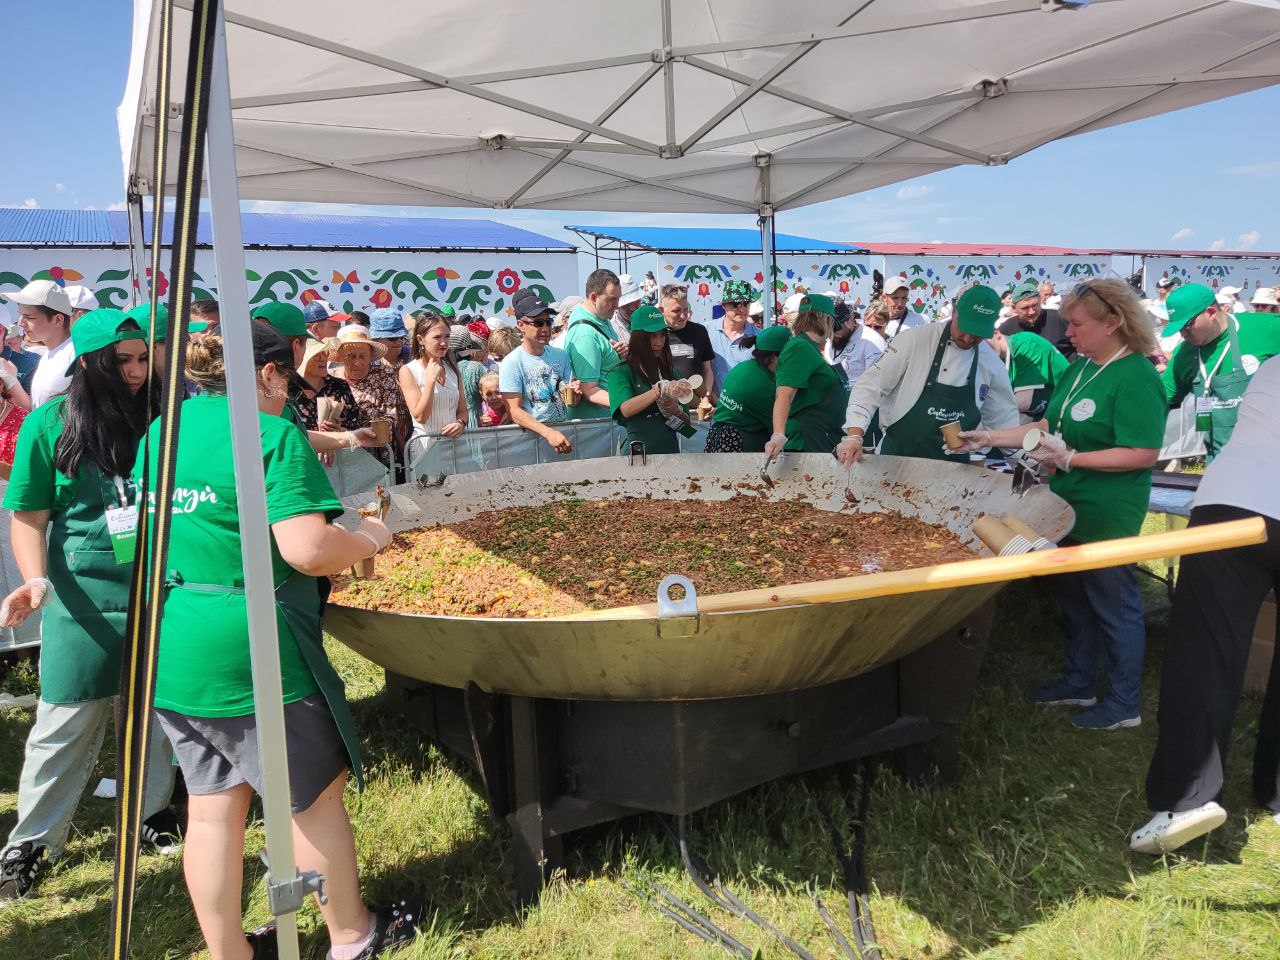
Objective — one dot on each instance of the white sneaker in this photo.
(1166, 831)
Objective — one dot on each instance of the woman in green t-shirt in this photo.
(744, 417)
(1101, 434)
(68, 491)
(809, 406)
(204, 685)
(640, 396)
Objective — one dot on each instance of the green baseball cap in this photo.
(1025, 291)
(1184, 304)
(819, 303)
(448, 311)
(773, 339)
(141, 315)
(97, 329)
(285, 317)
(648, 319)
(977, 310)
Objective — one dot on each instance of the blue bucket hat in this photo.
(386, 324)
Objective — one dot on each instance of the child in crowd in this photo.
(494, 411)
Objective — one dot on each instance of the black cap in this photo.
(526, 303)
(272, 346)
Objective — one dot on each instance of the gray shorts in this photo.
(218, 753)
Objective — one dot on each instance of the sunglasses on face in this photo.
(1082, 288)
(537, 323)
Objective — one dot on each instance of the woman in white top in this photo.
(1211, 626)
(432, 384)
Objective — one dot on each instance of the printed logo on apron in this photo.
(1083, 410)
(943, 415)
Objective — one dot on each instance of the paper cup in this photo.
(364, 569)
(994, 534)
(329, 410)
(570, 396)
(1037, 541)
(951, 434)
(381, 431)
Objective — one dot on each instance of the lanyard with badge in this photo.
(1085, 408)
(119, 495)
(1204, 402)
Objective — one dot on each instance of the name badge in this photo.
(122, 525)
(1204, 413)
(1083, 410)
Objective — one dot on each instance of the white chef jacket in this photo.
(893, 384)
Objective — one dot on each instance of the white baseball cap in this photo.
(1224, 299)
(894, 284)
(756, 309)
(1228, 291)
(630, 290)
(81, 298)
(791, 305)
(42, 293)
(494, 323)
(1265, 297)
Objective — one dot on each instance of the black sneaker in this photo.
(161, 833)
(393, 926)
(263, 942)
(21, 868)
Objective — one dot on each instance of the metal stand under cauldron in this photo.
(553, 766)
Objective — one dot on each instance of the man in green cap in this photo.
(1029, 313)
(290, 321)
(1219, 354)
(933, 375)
(1034, 366)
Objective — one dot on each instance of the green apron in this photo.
(916, 434)
(1225, 391)
(82, 630)
(820, 426)
(299, 602)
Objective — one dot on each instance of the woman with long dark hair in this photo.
(70, 482)
(640, 394)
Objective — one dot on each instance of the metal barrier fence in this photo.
(431, 457)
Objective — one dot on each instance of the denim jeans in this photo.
(61, 751)
(1102, 618)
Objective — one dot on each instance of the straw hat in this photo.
(355, 334)
(314, 349)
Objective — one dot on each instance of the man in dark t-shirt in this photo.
(1029, 315)
(691, 350)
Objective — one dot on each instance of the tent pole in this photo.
(765, 221)
(137, 244)
(286, 889)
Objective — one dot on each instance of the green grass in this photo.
(1025, 858)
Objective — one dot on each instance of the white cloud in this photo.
(1183, 234)
(1248, 241)
(1218, 244)
(60, 187)
(914, 191)
(1258, 171)
(118, 205)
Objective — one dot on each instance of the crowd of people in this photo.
(1081, 382)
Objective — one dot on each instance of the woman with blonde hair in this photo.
(1101, 435)
(808, 407)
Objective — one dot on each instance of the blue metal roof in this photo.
(99, 228)
(684, 239)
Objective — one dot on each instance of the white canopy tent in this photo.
(723, 106)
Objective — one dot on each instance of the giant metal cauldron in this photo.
(572, 722)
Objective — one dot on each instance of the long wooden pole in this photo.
(967, 573)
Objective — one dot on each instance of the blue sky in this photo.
(1203, 178)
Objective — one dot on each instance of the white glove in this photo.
(775, 445)
(375, 531)
(364, 437)
(662, 388)
(849, 450)
(7, 375)
(1053, 452)
(974, 440)
(26, 600)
